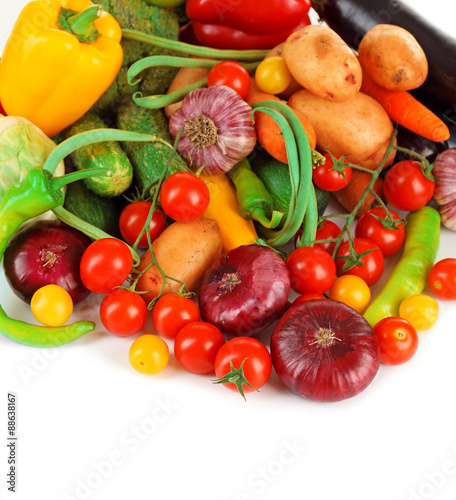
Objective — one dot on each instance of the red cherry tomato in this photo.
(308, 296)
(257, 366)
(397, 339)
(133, 219)
(184, 196)
(231, 74)
(105, 264)
(329, 179)
(197, 345)
(406, 188)
(123, 312)
(442, 279)
(373, 262)
(172, 312)
(388, 240)
(311, 269)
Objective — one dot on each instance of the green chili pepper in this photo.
(37, 193)
(34, 195)
(422, 233)
(254, 200)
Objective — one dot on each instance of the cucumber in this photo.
(276, 178)
(102, 154)
(149, 159)
(97, 210)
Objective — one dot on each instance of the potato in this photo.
(183, 251)
(184, 78)
(358, 127)
(323, 63)
(393, 58)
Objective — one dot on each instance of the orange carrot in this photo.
(349, 196)
(268, 132)
(407, 111)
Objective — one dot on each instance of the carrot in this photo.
(268, 132)
(407, 111)
(349, 196)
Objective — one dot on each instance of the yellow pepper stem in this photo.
(81, 24)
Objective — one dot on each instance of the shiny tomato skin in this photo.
(373, 262)
(420, 310)
(272, 75)
(328, 230)
(172, 312)
(184, 196)
(397, 339)
(257, 366)
(149, 354)
(388, 240)
(197, 345)
(328, 179)
(442, 279)
(311, 269)
(308, 296)
(231, 74)
(123, 312)
(105, 264)
(352, 291)
(406, 188)
(133, 218)
(51, 305)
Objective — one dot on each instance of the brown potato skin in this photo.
(184, 251)
(358, 127)
(393, 58)
(184, 77)
(323, 63)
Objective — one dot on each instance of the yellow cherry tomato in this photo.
(149, 354)
(352, 291)
(420, 310)
(272, 75)
(52, 305)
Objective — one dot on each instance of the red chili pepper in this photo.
(246, 24)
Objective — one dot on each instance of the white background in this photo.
(89, 426)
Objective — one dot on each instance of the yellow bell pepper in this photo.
(60, 57)
(223, 208)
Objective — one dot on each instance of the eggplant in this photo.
(351, 19)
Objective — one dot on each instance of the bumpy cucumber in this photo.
(148, 159)
(110, 154)
(97, 210)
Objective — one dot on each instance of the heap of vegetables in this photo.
(218, 161)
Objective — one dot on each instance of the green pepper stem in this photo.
(60, 182)
(90, 137)
(195, 50)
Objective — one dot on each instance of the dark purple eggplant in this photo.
(351, 19)
(425, 147)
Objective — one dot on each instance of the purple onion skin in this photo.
(232, 116)
(42, 253)
(445, 187)
(244, 291)
(333, 372)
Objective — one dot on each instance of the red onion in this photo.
(218, 129)
(324, 350)
(45, 252)
(445, 187)
(244, 290)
